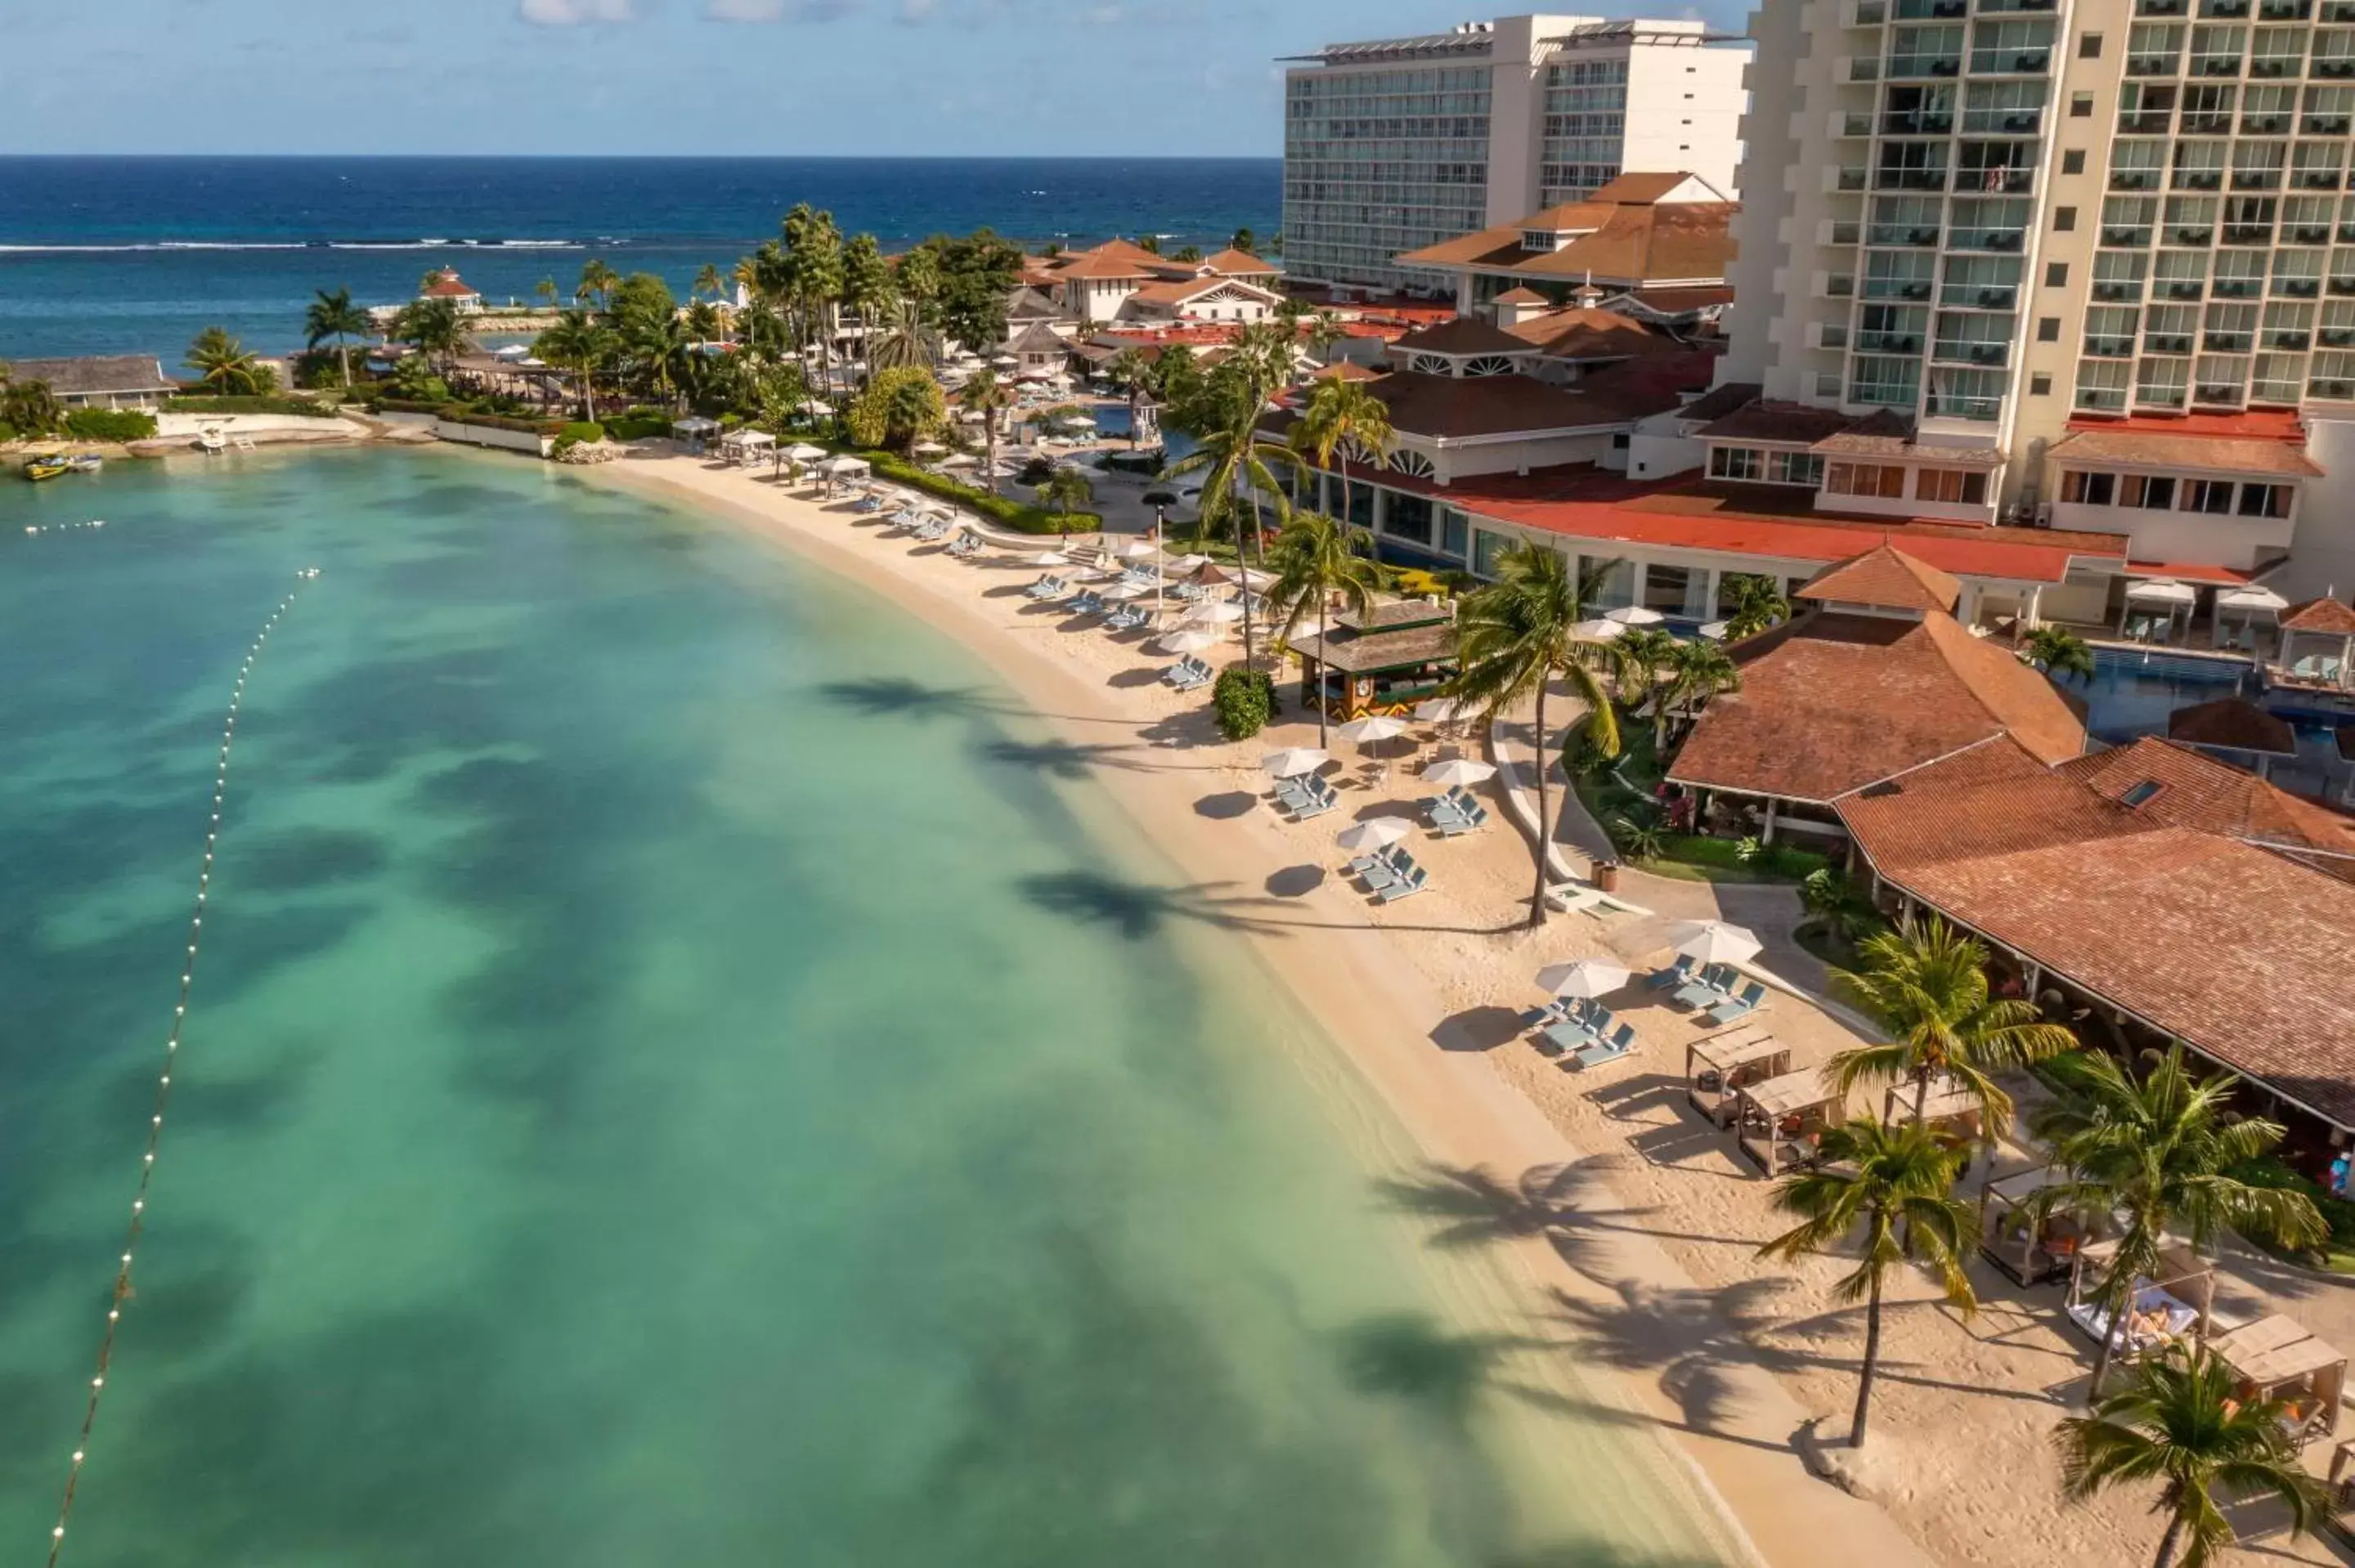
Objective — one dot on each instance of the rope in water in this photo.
(163, 1083)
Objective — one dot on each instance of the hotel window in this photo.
(1454, 530)
(1951, 486)
(1736, 462)
(1407, 517)
(2264, 500)
(2150, 493)
(2209, 496)
(1485, 549)
(1795, 468)
(2101, 383)
(2086, 488)
(1875, 481)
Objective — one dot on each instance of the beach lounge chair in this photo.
(1571, 1034)
(1621, 1042)
(1675, 975)
(1126, 618)
(1735, 1008)
(1389, 855)
(1313, 806)
(1406, 886)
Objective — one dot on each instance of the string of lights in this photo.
(121, 1292)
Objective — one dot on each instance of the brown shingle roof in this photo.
(95, 377)
(2155, 448)
(1462, 335)
(1626, 243)
(1885, 578)
(2203, 792)
(2324, 615)
(1720, 401)
(2238, 950)
(2232, 725)
(1445, 407)
(1582, 333)
(1521, 295)
(1831, 703)
(1793, 423)
(1109, 269)
(1237, 263)
(1345, 370)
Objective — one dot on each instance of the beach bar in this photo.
(1381, 661)
(1718, 1065)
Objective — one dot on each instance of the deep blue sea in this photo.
(113, 255)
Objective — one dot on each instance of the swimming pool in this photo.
(2134, 691)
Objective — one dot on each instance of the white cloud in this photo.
(571, 13)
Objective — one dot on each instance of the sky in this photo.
(785, 78)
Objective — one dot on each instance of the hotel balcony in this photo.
(2305, 233)
(2315, 179)
(2347, 231)
(1977, 410)
(1909, 179)
(1830, 335)
(1914, 122)
(2258, 179)
(1995, 182)
(1931, 10)
(1902, 67)
(2150, 122)
(2160, 397)
(2297, 288)
(1985, 355)
(2215, 65)
(2180, 289)
(2196, 124)
(1864, 14)
(2223, 10)
(2015, 7)
(2134, 179)
(2010, 62)
(2338, 11)
(1863, 68)
(2331, 390)
(2336, 337)
(2118, 291)
(2167, 342)
(2289, 339)
(2126, 237)
(2106, 400)
(1912, 288)
(1852, 177)
(2227, 342)
(2332, 69)
(2151, 65)
(1889, 343)
(2199, 237)
(1840, 231)
(2237, 288)
(2199, 179)
(2263, 125)
(2162, 7)
(2326, 125)
(2284, 10)
(2005, 121)
(1899, 236)
(2341, 288)
(2003, 239)
(2273, 68)
(2109, 347)
(2248, 234)
(2219, 394)
(1978, 297)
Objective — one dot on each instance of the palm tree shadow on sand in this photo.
(1139, 911)
(897, 696)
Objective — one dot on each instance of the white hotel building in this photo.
(1397, 144)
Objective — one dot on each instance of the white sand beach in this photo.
(1635, 1225)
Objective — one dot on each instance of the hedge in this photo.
(8, 432)
(110, 424)
(578, 433)
(299, 408)
(1020, 516)
(1244, 700)
(638, 425)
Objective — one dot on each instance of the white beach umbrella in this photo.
(1373, 833)
(1050, 558)
(1373, 727)
(1188, 640)
(1292, 761)
(2253, 597)
(961, 460)
(1138, 550)
(1187, 563)
(1458, 772)
(1220, 614)
(815, 409)
(2162, 590)
(1444, 710)
(928, 448)
(1586, 977)
(1634, 615)
(1125, 591)
(1715, 630)
(1005, 359)
(1598, 631)
(1713, 941)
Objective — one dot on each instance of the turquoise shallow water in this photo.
(671, 1080)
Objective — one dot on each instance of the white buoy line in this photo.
(121, 1292)
(64, 527)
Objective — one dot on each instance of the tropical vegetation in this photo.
(2059, 652)
(1317, 560)
(226, 366)
(1883, 1195)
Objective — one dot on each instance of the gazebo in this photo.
(746, 446)
(1948, 1108)
(2318, 647)
(695, 430)
(1382, 662)
(2030, 1247)
(1779, 1121)
(2152, 596)
(1718, 1065)
(2252, 605)
(2276, 1358)
(2244, 732)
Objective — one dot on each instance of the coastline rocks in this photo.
(591, 452)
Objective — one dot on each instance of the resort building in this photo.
(1657, 241)
(1099, 283)
(2107, 251)
(1394, 144)
(447, 285)
(105, 381)
(1870, 681)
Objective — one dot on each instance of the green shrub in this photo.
(196, 403)
(574, 434)
(1244, 700)
(1729, 854)
(2271, 1172)
(110, 424)
(1020, 516)
(638, 425)
(8, 432)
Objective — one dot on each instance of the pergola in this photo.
(1716, 1066)
(2031, 1247)
(746, 446)
(1949, 1107)
(2154, 594)
(2251, 605)
(2162, 1309)
(2277, 1358)
(2318, 646)
(1780, 1120)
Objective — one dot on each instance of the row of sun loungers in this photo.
(1307, 797)
(1189, 675)
(1392, 873)
(1048, 587)
(1710, 989)
(1584, 1031)
(1456, 813)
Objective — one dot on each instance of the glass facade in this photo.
(2231, 234)
(1585, 129)
(1377, 162)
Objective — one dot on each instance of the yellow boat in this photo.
(47, 465)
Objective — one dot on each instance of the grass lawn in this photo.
(1626, 789)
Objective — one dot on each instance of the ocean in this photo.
(123, 254)
(679, 1071)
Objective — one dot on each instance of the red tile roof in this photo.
(1831, 703)
(1584, 332)
(2234, 724)
(1519, 295)
(1463, 336)
(1794, 423)
(1237, 263)
(2237, 949)
(1625, 237)
(446, 285)
(2182, 450)
(2203, 792)
(1885, 578)
(2328, 616)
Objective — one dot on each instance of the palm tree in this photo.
(334, 315)
(1513, 638)
(1131, 371)
(1231, 458)
(434, 327)
(1697, 671)
(709, 282)
(1639, 653)
(1316, 560)
(30, 407)
(898, 337)
(2159, 1152)
(1066, 488)
(2180, 1422)
(1929, 990)
(985, 394)
(222, 364)
(1895, 1183)
(2059, 652)
(598, 280)
(580, 343)
(656, 345)
(1758, 604)
(545, 291)
(1342, 415)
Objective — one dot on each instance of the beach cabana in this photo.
(2151, 598)
(2030, 1248)
(2318, 647)
(747, 446)
(2251, 605)
(1778, 1121)
(1717, 1066)
(1384, 661)
(695, 430)
(2160, 1310)
(1949, 1107)
(2277, 1358)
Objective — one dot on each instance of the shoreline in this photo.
(1389, 1020)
